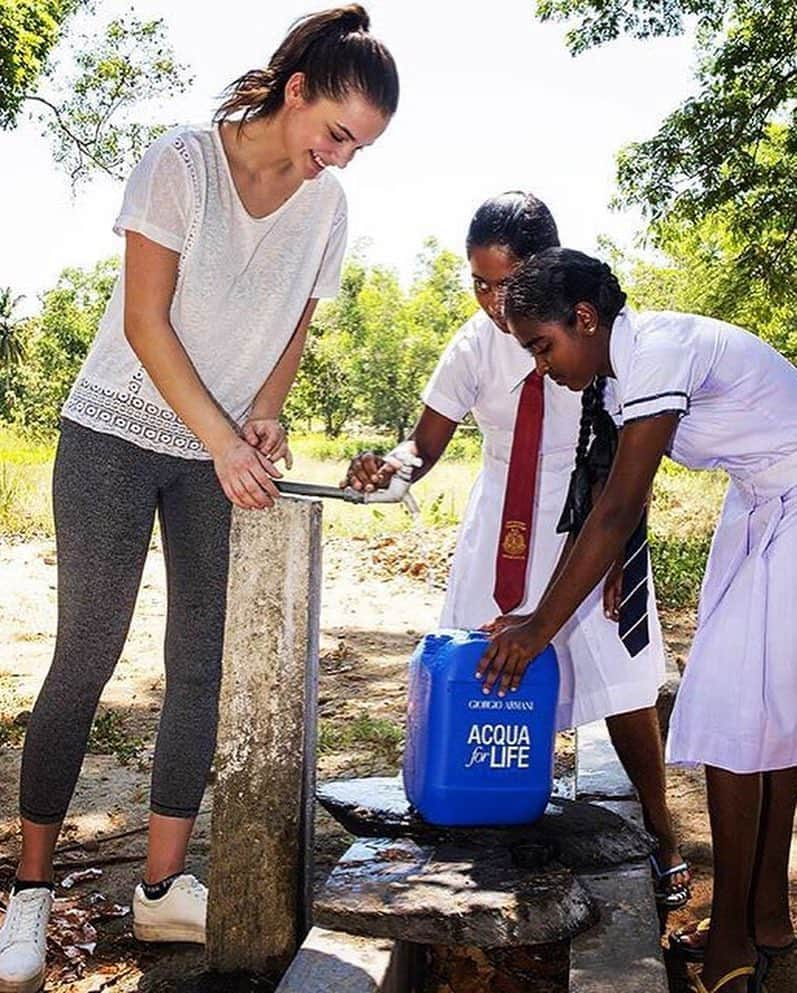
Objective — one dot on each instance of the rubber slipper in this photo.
(756, 982)
(670, 897)
(696, 984)
(683, 948)
(692, 953)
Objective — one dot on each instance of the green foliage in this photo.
(24, 485)
(12, 348)
(678, 566)
(380, 735)
(327, 385)
(109, 736)
(684, 513)
(405, 334)
(110, 72)
(29, 29)
(732, 147)
(91, 116)
(343, 448)
(371, 351)
(698, 273)
(57, 340)
(605, 20)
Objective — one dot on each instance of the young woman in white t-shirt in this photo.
(482, 371)
(709, 395)
(233, 231)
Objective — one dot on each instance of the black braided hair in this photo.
(591, 405)
(597, 443)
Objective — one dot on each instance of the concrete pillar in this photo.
(262, 827)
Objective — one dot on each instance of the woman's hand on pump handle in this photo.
(270, 438)
(246, 475)
(369, 472)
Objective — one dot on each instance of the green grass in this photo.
(683, 516)
(26, 470)
(109, 736)
(25, 473)
(465, 446)
(381, 736)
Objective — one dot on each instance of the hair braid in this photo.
(591, 407)
(594, 448)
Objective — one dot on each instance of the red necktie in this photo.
(514, 539)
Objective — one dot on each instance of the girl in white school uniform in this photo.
(486, 372)
(233, 231)
(710, 396)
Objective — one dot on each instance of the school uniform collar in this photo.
(621, 343)
(516, 375)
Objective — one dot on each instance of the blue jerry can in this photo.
(473, 759)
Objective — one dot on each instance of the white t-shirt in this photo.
(735, 395)
(242, 285)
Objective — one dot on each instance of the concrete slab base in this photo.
(336, 962)
(599, 775)
(622, 952)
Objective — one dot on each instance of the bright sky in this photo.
(491, 100)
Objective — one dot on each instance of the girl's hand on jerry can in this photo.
(508, 656)
(368, 471)
(499, 624)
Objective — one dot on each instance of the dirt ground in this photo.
(380, 595)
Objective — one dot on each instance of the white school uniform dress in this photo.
(482, 371)
(736, 398)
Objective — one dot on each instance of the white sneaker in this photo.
(23, 941)
(179, 915)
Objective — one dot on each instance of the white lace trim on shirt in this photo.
(129, 416)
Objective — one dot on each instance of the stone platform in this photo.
(579, 836)
(485, 887)
(451, 895)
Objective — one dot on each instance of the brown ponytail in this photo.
(337, 55)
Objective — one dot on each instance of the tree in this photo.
(326, 385)
(371, 351)
(733, 145)
(12, 348)
(404, 335)
(57, 341)
(88, 107)
(698, 275)
(90, 117)
(29, 29)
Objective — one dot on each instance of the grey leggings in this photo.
(106, 492)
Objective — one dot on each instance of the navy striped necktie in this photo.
(633, 622)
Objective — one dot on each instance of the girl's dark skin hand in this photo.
(503, 622)
(368, 471)
(613, 592)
